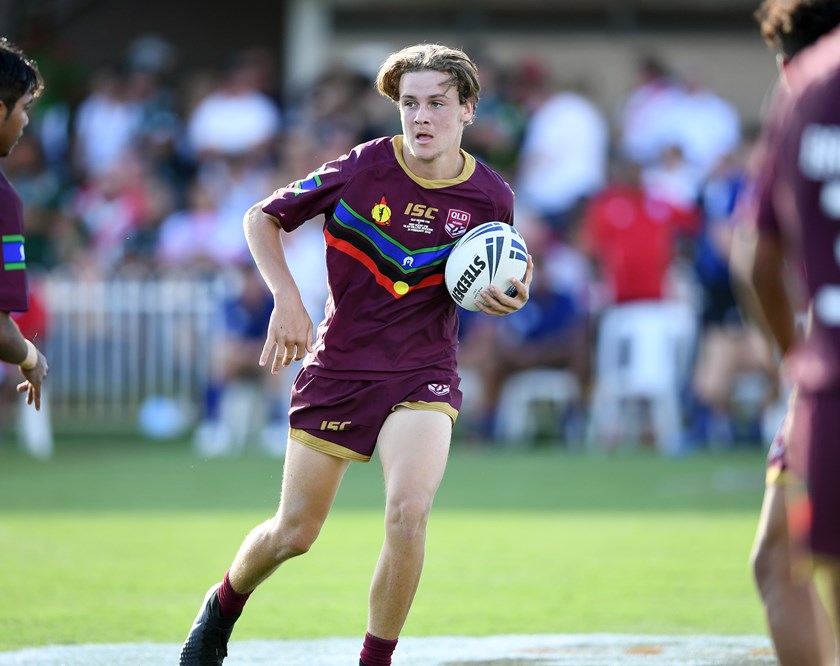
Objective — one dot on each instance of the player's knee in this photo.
(292, 542)
(407, 518)
(764, 562)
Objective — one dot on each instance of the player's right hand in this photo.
(289, 336)
(34, 379)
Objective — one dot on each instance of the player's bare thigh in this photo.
(310, 482)
(413, 447)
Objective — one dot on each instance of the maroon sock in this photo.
(377, 651)
(231, 602)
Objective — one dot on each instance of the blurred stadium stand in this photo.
(597, 40)
(129, 323)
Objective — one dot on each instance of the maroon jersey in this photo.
(388, 233)
(798, 199)
(13, 290)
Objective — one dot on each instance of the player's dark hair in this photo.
(462, 71)
(18, 75)
(788, 26)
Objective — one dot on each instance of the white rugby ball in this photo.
(489, 254)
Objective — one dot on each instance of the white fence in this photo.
(113, 344)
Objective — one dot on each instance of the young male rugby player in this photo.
(382, 372)
(795, 221)
(20, 84)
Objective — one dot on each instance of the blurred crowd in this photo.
(139, 169)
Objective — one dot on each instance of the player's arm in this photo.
(758, 266)
(17, 350)
(290, 328)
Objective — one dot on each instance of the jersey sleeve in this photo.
(315, 195)
(14, 296)
(505, 203)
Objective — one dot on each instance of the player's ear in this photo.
(468, 114)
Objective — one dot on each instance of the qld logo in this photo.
(439, 389)
(457, 222)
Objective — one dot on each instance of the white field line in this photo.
(517, 650)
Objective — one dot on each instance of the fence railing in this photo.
(114, 344)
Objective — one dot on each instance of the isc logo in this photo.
(334, 425)
(421, 210)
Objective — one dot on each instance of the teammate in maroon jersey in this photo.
(795, 219)
(382, 372)
(20, 84)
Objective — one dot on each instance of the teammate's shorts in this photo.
(343, 417)
(815, 456)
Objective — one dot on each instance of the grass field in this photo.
(116, 541)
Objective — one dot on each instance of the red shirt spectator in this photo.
(633, 239)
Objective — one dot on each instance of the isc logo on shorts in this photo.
(439, 389)
(334, 425)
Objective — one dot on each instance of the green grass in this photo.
(117, 541)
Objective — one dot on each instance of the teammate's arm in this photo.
(16, 349)
(758, 265)
(290, 327)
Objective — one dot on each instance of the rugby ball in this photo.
(489, 254)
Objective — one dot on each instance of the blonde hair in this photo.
(463, 74)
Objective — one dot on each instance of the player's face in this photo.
(432, 121)
(12, 125)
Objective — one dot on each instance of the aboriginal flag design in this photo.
(395, 267)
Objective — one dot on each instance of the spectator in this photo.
(705, 126)
(496, 135)
(671, 178)
(236, 119)
(729, 347)
(644, 333)
(111, 207)
(106, 125)
(240, 401)
(187, 241)
(642, 134)
(563, 157)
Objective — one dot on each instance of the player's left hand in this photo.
(498, 304)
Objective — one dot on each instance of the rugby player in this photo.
(382, 372)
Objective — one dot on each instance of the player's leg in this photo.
(413, 447)
(819, 417)
(310, 482)
(798, 622)
(833, 576)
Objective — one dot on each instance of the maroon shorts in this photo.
(815, 457)
(343, 417)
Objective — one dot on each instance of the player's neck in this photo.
(441, 167)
